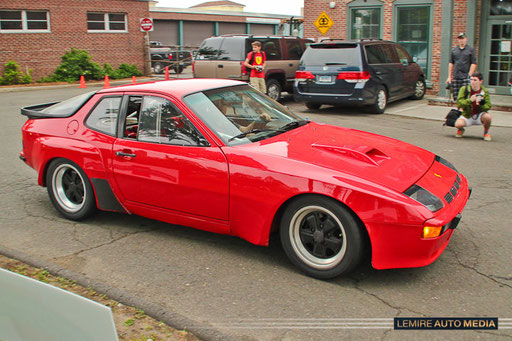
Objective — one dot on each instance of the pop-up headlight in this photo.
(424, 197)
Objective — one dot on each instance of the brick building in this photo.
(428, 30)
(36, 34)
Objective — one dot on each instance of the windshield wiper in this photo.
(293, 125)
(252, 131)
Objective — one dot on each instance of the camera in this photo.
(449, 86)
(258, 68)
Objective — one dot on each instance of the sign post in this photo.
(146, 25)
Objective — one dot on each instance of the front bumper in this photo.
(402, 246)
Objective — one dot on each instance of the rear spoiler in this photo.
(34, 111)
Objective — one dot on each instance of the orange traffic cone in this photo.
(107, 83)
(134, 80)
(166, 73)
(82, 82)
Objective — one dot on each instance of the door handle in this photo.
(220, 66)
(290, 64)
(125, 154)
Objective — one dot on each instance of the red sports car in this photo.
(219, 156)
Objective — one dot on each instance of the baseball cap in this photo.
(461, 35)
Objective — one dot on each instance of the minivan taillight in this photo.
(354, 77)
(302, 76)
(170, 56)
(193, 66)
(244, 69)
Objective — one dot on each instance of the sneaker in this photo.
(460, 132)
(487, 137)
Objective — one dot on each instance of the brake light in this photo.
(302, 76)
(354, 77)
(170, 56)
(193, 66)
(244, 69)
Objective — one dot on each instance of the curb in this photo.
(201, 330)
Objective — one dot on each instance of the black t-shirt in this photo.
(462, 60)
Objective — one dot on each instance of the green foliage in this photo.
(78, 62)
(13, 74)
(75, 64)
(129, 322)
(127, 70)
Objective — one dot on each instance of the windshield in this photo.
(240, 114)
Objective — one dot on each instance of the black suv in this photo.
(224, 56)
(366, 72)
(165, 56)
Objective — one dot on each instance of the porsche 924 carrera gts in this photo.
(219, 156)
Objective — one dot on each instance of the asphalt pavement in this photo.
(221, 287)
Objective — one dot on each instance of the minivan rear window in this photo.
(332, 54)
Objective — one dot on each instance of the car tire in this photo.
(178, 70)
(381, 101)
(313, 106)
(158, 68)
(321, 237)
(274, 89)
(70, 190)
(419, 89)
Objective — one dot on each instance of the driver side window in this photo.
(160, 121)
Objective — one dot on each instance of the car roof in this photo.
(362, 41)
(175, 87)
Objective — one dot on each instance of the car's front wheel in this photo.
(274, 89)
(70, 190)
(321, 237)
(419, 89)
(381, 101)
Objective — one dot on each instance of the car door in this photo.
(409, 70)
(162, 160)
(383, 59)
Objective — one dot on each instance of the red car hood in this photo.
(383, 160)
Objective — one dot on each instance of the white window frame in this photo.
(24, 22)
(107, 22)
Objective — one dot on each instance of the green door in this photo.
(496, 46)
(499, 62)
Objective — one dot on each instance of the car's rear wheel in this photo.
(321, 237)
(419, 89)
(178, 69)
(158, 68)
(274, 89)
(313, 106)
(70, 190)
(381, 101)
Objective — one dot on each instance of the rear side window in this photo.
(380, 54)
(294, 49)
(69, 106)
(232, 49)
(209, 49)
(104, 116)
(332, 54)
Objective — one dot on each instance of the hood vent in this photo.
(364, 154)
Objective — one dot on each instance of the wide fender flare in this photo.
(85, 155)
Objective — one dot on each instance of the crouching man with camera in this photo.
(475, 102)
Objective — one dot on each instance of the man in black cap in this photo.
(462, 64)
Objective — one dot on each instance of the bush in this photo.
(127, 70)
(75, 64)
(13, 74)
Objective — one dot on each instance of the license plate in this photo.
(324, 79)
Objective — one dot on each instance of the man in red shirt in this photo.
(256, 62)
